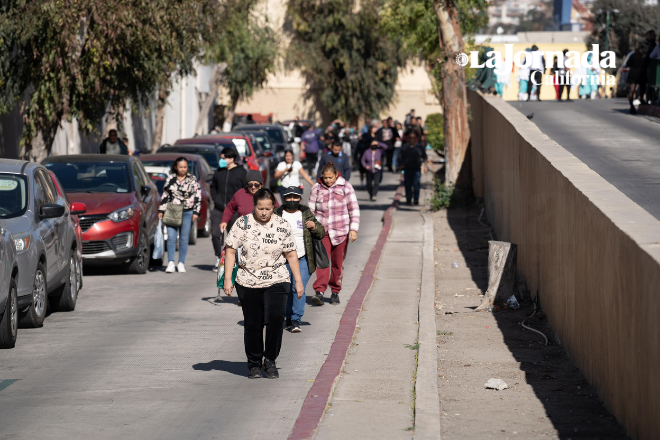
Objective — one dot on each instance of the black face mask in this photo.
(373, 147)
(292, 205)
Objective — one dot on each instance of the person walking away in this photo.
(537, 70)
(634, 64)
(564, 78)
(647, 48)
(523, 78)
(288, 173)
(242, 202)
(227, 180)
(372, 162)
(262, 281)
(181, 188)
(334, 203)
(502, 75)
(362, 146)
(305, 229)
(112, 145)
(366, 127)
(413, 156)
(397, 146)
(337, 156)
(554, 71)
(296, 129)
(311, 143)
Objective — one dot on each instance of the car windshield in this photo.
(276, 135)
(92, 177)
(158, 170)
(264, 141)
(210, 154)
(13, 195)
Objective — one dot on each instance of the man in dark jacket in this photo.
(413, 155)
(112, 145)
(647, 47)
(227, 179)
(337, 157)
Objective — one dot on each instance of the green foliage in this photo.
(346, 57)
(435, 125)
(442, 195)
(66, 59)
(249, 47)
(628, 27)
(414, 22)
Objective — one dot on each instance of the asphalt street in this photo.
(155, 357)
(622, 148)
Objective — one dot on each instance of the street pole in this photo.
(607, 31)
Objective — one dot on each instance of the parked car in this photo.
(265, 152)
(275, 132)
(622, 86)
(158, 167)
(8, 284)
(44, 237)
(75, 209)
(209, 151)
(122, 207)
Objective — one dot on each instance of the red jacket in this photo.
(242, 202)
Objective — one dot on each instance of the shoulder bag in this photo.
(173, 215)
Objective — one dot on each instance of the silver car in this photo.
(38, 218)
(8, 282)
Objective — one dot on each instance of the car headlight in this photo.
(122, 214)
(22, 242)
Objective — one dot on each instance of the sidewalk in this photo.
(374, 395)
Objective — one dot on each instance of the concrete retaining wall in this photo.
(589, 252)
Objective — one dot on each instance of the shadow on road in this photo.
(213, 300)
(571, 404)
(206, 267)
(237, 368)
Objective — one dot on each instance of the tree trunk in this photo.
(36, 149)
(214, 83)
(226, 127)
(502, 261)
(454, 98)
(163, 93)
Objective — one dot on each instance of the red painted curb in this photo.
(318, 396)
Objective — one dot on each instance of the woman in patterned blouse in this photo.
(181, 188)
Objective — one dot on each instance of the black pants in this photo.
(311, 159)
(263, 306)
(216, 235)
(530, 84)
(562, 87)
(373, 181)
(389, 154)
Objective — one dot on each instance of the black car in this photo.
(276, 133)
(208, 150)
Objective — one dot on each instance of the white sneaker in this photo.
(170, 267)
(181, 268)
(217, 263)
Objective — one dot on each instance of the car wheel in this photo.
(9, 322)
(193, 234)
(34, 316)
(206, 231)
(66, 302)
(140, 263)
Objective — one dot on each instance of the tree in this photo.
(84, 59)
(628, 26)
(347, 57)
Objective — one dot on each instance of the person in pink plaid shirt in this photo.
(334, 204)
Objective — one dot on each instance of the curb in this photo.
(649, 110)
(427, 404)
(317, 398)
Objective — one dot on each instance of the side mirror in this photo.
(146, 190)
(267, 154)
(51, 210)
(77, 208)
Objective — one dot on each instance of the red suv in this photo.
(122, 206)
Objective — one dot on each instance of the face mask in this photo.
(351, 130)
(222, 163)
(292, 205)
(373, 147)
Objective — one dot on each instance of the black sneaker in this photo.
(271, 369)
(416, 202)
(288, 325)
(295, 326)
(255, 373)
(334, 299)
(317, 299)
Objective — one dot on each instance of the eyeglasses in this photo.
(254, 185)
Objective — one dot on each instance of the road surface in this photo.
(155, 357)
(621, 148)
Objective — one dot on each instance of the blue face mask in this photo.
(222, 163)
